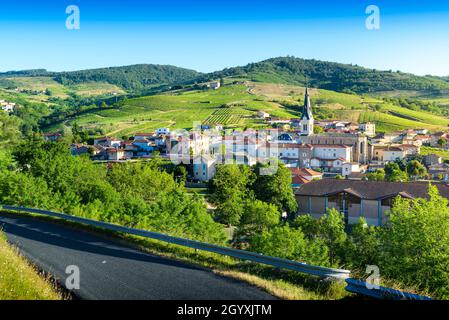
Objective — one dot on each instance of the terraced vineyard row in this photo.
(226, 116)
(230, 119)
(224, 111)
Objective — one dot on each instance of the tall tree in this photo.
(415, 243)
(275, 188)
(257, 216)
(393, 173)
(416, 170)
(230, 180)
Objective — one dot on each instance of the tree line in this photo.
(411, 249)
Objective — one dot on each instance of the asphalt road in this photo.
(109, 270)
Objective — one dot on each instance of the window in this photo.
(387, 202)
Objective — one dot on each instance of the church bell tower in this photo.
(307, 121)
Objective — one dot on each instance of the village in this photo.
(331, 167)
(341, 149)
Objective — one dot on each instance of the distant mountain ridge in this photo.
(331, 76)
(134, 77)
(25, 73)
(286, 70)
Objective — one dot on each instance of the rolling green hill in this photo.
(286, 70)
(236, 105)
(130, 77)
(331, 76)
(135, 77)
(152, 96)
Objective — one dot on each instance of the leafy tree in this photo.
(378, 175)
(317, 130)
(24, 190)
(230, 211)
(230, 180)
(329, 75)
(144, 179)
(363, 245)
(290, 243)
(9, 130)
(393, 173)
(132, 194)
(415, 243)
(329, 230)
(442, 142)
(416, 170)
(257, 216)
(332, 231)
(180, 174)
(309, 225)
(275, 188)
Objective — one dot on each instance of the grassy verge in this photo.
(19, 280)
(280, 283)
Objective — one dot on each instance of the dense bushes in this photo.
(235, 185)
(415, 243)
(411, 250)
(137, 195)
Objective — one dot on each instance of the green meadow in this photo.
(236, 106)
(58, 90)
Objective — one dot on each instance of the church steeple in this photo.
(307, 109)
(307, 122)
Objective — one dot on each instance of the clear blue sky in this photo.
(211, 35)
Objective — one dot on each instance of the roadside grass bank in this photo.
(21, 281)
(283, 284)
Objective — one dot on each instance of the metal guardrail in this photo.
(381, 293)
(235, 253)
(353, 285)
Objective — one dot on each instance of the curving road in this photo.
(109, 270)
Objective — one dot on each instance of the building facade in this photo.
(368, 199)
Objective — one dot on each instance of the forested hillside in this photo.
(135, 77)
(130, 77)
(285, 70)
(330, 76)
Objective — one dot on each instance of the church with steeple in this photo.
(306, 122)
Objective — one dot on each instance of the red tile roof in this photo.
(299, 180)
(305, 172)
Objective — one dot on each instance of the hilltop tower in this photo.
(307, 121)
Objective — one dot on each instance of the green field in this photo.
(234, 106)
(231, 106)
